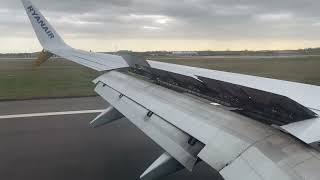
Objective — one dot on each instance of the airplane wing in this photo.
(237, 124)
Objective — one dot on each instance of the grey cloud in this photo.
(188, 19)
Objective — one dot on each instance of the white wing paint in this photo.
(187, 126)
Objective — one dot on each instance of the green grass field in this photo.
(55, 78)
(60, 78)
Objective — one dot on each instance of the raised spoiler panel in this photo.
(292, 106)
(261, 105)
(305, 94)
(269, 108)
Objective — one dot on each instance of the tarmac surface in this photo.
(65, 147)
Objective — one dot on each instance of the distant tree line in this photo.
(309, 51)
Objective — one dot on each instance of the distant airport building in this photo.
(185, 53)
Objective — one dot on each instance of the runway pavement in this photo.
(65, 147)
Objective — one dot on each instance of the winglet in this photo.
(47, 36)
(52, 43)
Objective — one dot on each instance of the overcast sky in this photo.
(108, 25)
